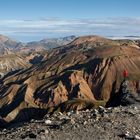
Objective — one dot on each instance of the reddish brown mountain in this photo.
(87, 70)
(11, 62)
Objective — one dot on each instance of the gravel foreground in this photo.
(119, 123)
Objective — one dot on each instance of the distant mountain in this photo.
(11, 63)
(17, 55)
(7, 44)
(51, 43)
(4, 50)
(130, 37)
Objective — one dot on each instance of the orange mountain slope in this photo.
(90, 68)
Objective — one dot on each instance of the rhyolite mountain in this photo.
(11, 63)
(51, 43)
(7, 42)
(45, 44)
(16, 55)
(85, 72)
(5, 45)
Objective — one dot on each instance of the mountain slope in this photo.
(89, 68)
(7, 42)
(11, 63)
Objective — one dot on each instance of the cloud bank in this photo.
(27, 30)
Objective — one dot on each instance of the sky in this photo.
(28, 20)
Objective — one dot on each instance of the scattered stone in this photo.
(129, 136)
(87, 110)
(28, 134)
(32, 136)
(95, 111)
(4, 130)
(105, 116)
(46, 131)
(47, 115)
(60, 113)
(77, 112)
(102, 109)
(137, 137)
(106, 125)
(85, 122)
(43, 137)
(69, 113)
(48, 122)
(135, 108)
(72, 121)
(40, 131)
(32, 120)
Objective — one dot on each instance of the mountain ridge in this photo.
(89, 69)
(43, 44)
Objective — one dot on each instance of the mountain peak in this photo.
(3, 38)
(84, 39)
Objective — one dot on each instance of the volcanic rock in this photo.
(86, 73)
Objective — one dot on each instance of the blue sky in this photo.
(28, 20)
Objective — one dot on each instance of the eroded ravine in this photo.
(89, 74)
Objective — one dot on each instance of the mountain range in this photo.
(85, 71)
(45, 44)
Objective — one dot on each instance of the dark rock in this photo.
(124, 97)
(32, 135)
(129, 136)
(2, 122)
(102, 109)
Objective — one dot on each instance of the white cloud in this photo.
(55, 26)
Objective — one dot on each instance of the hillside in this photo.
(10, 63)
(7, 42)
(88, 69)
